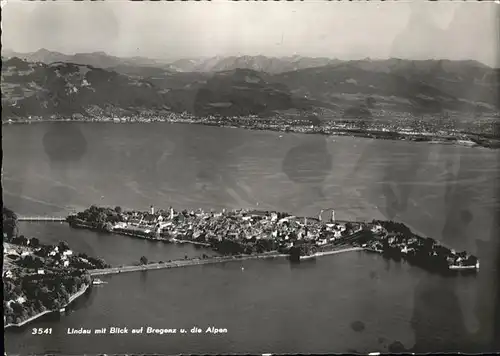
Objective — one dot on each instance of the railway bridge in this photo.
(41, 218)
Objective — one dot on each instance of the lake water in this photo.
(353, 301)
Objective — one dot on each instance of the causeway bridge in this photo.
(180, 263)
(41, 218)
(210, 260)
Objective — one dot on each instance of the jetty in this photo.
(334, 252)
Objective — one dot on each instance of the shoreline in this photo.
(334, 132)
(34, 317)
(212, 260)
(137, 236)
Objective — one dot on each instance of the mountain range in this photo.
(212, 64)
(51, 83)
(270, 65)
(96, 59)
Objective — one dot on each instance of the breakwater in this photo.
(333, 252)
(34, 317)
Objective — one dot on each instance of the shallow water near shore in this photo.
(444, 192)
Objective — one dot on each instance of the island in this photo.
(40, 279)
(247, 234)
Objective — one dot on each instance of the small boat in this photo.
(307, 257)
(97, 281)
(476, 266)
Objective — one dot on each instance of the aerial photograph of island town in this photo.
(250, 178)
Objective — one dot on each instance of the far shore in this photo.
(393, 135)
(29, 320)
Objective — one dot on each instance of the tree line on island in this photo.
(424, 252)
(97, 217)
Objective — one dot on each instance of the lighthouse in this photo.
(333, 216)
(152, 210)
(171, 213)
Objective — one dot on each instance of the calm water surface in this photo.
(446, 192)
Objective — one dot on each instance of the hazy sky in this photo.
(345, 30)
